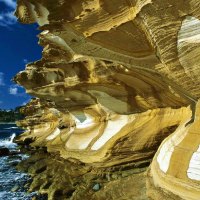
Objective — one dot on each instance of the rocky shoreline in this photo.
(13, 183)
(69, 179)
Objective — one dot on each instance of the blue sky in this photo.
(18, 46)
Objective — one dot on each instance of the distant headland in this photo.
(11, 115)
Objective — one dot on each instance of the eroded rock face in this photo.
(116, 78)
(97, 135)
(175, 167)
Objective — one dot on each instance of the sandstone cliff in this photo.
(116, 78)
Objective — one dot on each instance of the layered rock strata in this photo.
(175, 167)
(116, 78)
(103, 138)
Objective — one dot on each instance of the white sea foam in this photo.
(14, 127)
(2, 194)
(8, 143)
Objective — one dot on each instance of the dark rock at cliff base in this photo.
(27, 141)
(4, 151)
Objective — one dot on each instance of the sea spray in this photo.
(12, 137)
(8, 142)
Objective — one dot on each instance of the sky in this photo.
(18, 46)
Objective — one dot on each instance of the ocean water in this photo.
(12, 182)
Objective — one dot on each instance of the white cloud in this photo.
(7, 19)
(24, 103)
(2, 79)
(16, 90)
(9, 3)
(13, 90)
(25, 61)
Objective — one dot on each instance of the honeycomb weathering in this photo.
(117, 79)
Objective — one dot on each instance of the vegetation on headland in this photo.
(11, 115)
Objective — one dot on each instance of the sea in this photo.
(13, 184)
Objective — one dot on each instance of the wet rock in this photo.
(15, 152)
(14, 163)
(96, 187)
(14, 157)
(15, 188)
(4, 151)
